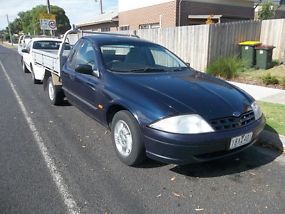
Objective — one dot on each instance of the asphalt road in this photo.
(92, 177)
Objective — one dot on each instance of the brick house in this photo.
(138, 14)
(103, 23)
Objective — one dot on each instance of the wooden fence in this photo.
(200, 45)
(189, 42)
(224, 38)
(273, 33)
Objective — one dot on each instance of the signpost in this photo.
(48, 22)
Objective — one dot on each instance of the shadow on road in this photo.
(251, 158)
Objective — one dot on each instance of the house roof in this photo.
(102, 18)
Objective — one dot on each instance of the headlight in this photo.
(184, 124)
(257, 110)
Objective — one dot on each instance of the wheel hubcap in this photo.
(50, 90)
(123, 138)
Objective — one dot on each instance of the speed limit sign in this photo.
(52, 25)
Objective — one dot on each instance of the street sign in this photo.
(47, 21)
(47, 16)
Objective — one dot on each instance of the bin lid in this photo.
(264, 47)
(250, 43)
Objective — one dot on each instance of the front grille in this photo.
(232, 122)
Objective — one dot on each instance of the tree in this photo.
(30, 20)
(16, 26)
(267, 10)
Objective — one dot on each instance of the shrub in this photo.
(269, 80)
(226, 67)
(275, 62)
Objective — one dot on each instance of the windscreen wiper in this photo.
(148, 70)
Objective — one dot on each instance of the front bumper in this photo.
(184, 149)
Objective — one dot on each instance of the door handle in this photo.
(91, 86)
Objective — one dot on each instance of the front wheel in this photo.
(55, 92)
(127, 139)
(24, 67)
(35, 81)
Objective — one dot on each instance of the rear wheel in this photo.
(55, 92)
(127, 139)
(24, 68)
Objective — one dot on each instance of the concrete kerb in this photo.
(272, 140)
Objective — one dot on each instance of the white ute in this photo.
(35, 49)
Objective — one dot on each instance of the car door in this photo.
(83, 87)
(27, 56)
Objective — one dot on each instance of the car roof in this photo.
(46, 39)
(105, 39)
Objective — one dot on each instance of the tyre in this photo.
(127, 139)
(24, 68)
(35, 81)
(55, 93)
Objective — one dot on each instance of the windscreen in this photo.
(49, 45)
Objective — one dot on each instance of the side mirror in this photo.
(25, 50)
(84, 69)
(188, 64)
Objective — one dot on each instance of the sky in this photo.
(77, 11)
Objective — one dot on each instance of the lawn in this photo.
(275, 116)
(252, 76)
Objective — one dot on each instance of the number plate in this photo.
(240, 140)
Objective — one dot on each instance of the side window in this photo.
(29, 46)
(73, 52)
(85, 55)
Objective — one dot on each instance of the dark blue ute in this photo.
(155, 105)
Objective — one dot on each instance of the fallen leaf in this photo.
(176, 194)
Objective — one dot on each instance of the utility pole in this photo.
(10, 34)
(48, 7)
(48, 10)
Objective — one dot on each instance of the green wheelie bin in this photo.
(264, 56)
(248, 51)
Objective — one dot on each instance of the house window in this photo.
(105, 29)
(149, 26)
(125, 27)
